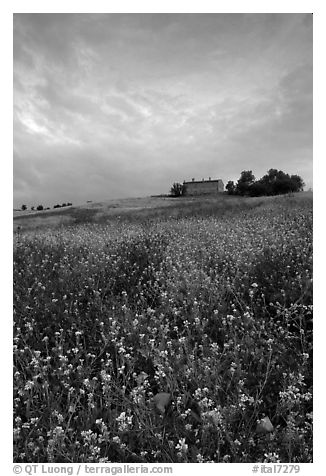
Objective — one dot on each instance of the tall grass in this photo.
(214, 309)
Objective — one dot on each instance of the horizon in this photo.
(113, 106)
(99, 200)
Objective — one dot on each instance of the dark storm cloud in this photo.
(112, 105)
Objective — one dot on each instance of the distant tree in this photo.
(257, 189)
(69, 204)
(244, 183)
(272, 181)
(178, 189)
(273, 174)
(297, 183)
(230, 187)
(276, 182)
(32, 208)
(64, 205)
(24, 207)
(39, 207)
(283, 185)
(57, 206)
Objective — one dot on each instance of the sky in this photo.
(123, 105)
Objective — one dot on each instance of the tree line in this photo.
(41, 207)
(275, 182)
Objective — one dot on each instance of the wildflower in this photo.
(29, 385)
(233, 367)
(271, 458)
(182, 446)
(124, 421)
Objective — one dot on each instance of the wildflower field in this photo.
(166, 339)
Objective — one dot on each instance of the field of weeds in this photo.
(175, 339)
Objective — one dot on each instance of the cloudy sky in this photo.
(123, 105)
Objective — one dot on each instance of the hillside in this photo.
(131, 209)
(140, 335)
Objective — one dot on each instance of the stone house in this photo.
(203, 187)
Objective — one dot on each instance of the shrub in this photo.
(230, 187)
(178, 189)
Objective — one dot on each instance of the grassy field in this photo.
(134, 209)
(94, 212)
(164, 331)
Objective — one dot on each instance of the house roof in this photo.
(203, 181)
